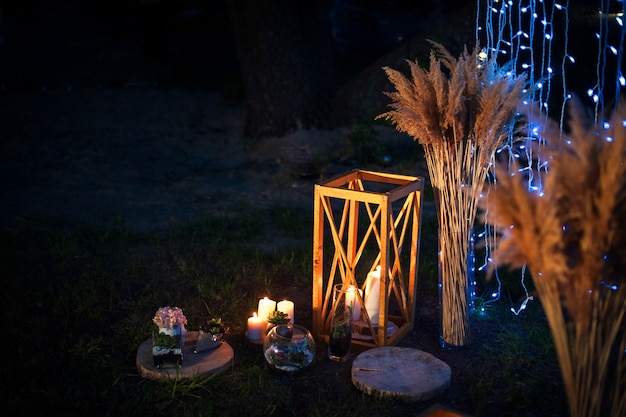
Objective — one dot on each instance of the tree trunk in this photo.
(285, 56)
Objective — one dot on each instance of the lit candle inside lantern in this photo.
(266, 306)
(286, 307)
(255, 327)
(352, 301)
(372, 295)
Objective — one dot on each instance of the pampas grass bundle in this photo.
(460, 111)
(572, 237)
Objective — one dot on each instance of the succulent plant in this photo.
(278, 317)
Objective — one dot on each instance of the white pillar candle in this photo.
(255, 327)
(286, 307)
(352, 301)
(372, 295)
(266, 306)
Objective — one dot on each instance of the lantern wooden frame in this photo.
(393, 208)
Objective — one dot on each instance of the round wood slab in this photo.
(194, 364)
(400, 373)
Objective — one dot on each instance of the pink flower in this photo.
(169, 317)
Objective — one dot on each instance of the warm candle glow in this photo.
(255, 327)
(352, 301)
(266, 306)
(372, 295)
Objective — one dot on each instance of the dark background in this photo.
(307, 63)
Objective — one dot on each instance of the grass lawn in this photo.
(79, 302)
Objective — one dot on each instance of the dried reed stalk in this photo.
(460, 111)
(572, 237)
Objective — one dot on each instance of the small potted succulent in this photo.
(210, 335)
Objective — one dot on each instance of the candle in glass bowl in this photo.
(286, 307)
(255, 327)
(372, 295)
(266, 306)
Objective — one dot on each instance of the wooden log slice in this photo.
(400, 373)
(194, 364)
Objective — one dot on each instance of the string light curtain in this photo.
(533, 36)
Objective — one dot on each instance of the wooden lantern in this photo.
(361, 240)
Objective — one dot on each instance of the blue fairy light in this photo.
(523, 32)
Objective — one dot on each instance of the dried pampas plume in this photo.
(460, 110)
(455, 99)
(572, 236)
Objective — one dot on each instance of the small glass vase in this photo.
(340, 336)
(456, 287)
(167, 347)
(289, 348)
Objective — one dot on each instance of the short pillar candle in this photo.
(255, 327)
(266, 306)
(372, 295)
